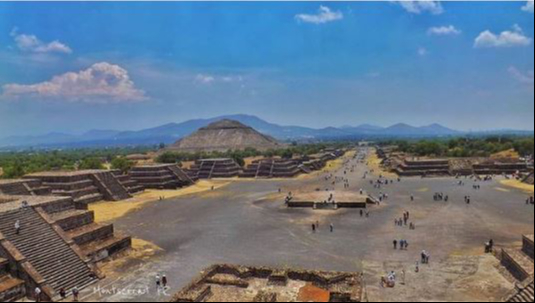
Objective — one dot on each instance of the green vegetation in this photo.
(122, 164)
(18, 164)
(465, 147)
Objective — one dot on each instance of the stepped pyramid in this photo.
(223, 136)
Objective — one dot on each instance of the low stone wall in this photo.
(76, 221)
(14, 291)
(509, 262)
(344, 287)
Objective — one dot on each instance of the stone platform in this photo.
(85, 186)
(161, 176)
(228, 283)
(321, 200)
(215, 168)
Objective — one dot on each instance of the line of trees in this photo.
(466, 147)
(18, 164)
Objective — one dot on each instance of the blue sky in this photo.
(72, 67)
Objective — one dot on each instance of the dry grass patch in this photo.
(109, 211)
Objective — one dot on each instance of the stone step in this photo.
(519, 264)
(45, 250)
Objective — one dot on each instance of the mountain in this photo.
(405, 130)
(172, 132)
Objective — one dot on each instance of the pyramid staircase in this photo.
(44, 251)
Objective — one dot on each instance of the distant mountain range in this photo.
(170, 133)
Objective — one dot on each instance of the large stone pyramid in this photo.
(225, 135)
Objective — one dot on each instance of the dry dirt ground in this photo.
(245, 222)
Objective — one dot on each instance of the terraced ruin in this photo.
(57, 246)
(272, 168)
(164, 176)
(407, 166)
(214, 168)
(84, 187)
(228, 283)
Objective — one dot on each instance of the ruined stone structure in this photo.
(227, 283)
(26, 187)
(57, 246)
(215, 168)
(84, 187)
(428, 167)
(520, 262)
(223, 136)
(163, 176)
(321, 200)
(498, 168)
(457, 166)
(272, 168)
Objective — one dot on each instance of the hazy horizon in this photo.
(131, 66)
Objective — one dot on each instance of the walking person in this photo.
(75, 294)
(17, 227)
(164, 281)
(38, 293)
(158, 282)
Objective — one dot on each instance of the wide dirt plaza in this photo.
(246, 222)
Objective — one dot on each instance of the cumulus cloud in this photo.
(524, 78)
(511, 38)
(323, 16)
(101, 83)
(528, 7)
(422, 6)
(30, 43)
(444, 31)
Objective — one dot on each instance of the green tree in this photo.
(122, 164)
(91, 163)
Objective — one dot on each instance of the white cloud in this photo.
(209, 79)
(422, 6)
(528, 7)
(512, 38)
(30, 43)
(444, 31)
(101, 83)
(324, 15)
(204, 79)
(422, 51)
(524, 78)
